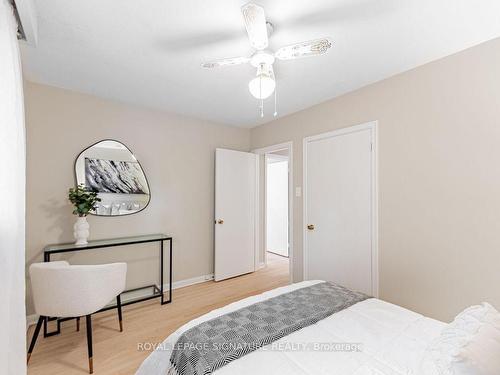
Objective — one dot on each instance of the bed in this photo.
(370, 337)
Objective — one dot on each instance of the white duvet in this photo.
(393, 342)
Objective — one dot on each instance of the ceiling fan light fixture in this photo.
(263, 85)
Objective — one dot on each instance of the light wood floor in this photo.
(117, 353)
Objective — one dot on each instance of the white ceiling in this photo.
(149, 52)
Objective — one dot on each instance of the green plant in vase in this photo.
(84, 201)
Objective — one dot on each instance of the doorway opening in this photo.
(275, 218)
(277, 203)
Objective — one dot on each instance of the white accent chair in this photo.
(64, 291)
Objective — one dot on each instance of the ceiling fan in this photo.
(258, 29)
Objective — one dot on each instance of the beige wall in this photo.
(439, 177)
(177, 154)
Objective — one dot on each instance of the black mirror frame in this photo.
(138, 162)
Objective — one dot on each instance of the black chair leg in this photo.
(41, 319)
(119, 307)
(78, 324)
(89, 342)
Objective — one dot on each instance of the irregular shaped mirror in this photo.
(111, 169)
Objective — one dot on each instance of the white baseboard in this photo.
(32, 319)
(188, 282)
(262, 265)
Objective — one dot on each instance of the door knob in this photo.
(220, 221)
(310, 226)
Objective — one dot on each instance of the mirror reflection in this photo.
(111, 169)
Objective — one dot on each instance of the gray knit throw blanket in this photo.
(212, 344)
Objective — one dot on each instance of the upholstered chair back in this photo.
(62, 290)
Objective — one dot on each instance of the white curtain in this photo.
(12, 205)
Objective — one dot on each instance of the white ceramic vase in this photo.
(81, 230)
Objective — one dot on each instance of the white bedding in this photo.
(393, 342)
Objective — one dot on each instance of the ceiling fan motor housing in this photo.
(264, 57)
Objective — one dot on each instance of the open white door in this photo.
(235, 204)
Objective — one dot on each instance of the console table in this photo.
(157, 291)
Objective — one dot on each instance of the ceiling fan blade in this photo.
(225, 62)
(255, 23)
(304, 49)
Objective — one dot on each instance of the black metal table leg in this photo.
(170, 274)
(163, 302)
(161, 273)
(46, 333)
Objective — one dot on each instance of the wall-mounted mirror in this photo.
(111, 169)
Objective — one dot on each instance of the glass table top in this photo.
(107, 242)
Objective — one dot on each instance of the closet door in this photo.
(339, 197)
(235, 204)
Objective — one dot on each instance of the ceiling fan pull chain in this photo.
(275, 110)
(261, 100)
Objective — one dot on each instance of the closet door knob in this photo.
(310, 226)
(220, 221)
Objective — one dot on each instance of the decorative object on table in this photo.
(109, 168)
(84, 200)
